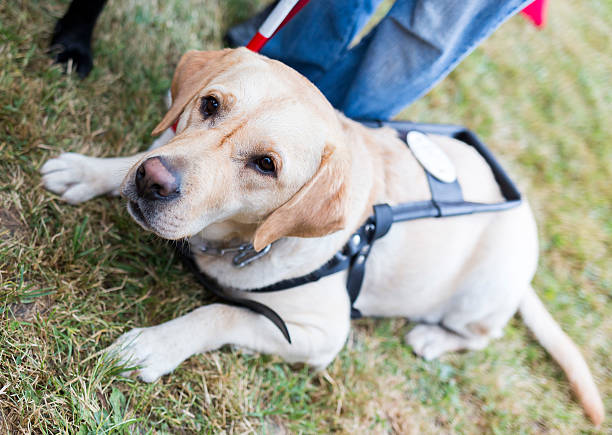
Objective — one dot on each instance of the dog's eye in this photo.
(265, 165)
(209, 106)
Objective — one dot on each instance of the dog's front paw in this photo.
(146, 351)
(75, 177)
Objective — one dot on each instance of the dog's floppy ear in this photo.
(191, 75)
(317, 209)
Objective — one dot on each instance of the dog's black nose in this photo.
(155, 179)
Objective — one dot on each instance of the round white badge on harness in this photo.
(431, 156)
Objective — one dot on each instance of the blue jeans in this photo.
(414, 47)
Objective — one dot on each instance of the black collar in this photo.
(446, 200)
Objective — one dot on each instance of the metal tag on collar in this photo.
(248, 254)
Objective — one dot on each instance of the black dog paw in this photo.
(72, 43)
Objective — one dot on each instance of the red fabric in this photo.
(536, 12)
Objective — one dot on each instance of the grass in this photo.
(72, 279)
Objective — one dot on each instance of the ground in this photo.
(72, 279)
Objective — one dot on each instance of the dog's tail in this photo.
(565, 352)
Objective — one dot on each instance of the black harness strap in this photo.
(377, 226)
(446, 200)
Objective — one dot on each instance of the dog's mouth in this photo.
(144, 218)
(136, 212)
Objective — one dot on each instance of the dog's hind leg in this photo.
(487, 292)
(457, 332)
(78, 178)
(468, 321)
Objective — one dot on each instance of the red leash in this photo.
(282, 13)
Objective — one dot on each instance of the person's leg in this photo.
(315, 38)
(416, 45)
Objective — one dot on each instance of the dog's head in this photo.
(257, 145)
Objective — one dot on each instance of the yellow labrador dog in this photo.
(260, 156)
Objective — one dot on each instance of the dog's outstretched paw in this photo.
(433, 341)
(76, 177)
(146, 352)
